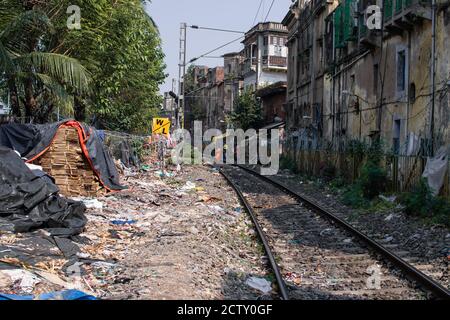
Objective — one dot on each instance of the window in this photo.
(401, 70)
(266, 41)
(278, 51)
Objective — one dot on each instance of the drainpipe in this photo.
(313, 69)
(408, 105)
(333, 107)
(433, 73)
(380, 111)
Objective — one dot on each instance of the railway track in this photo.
(316, 255)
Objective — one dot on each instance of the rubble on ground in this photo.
(179, 236)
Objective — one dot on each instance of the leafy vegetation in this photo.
(107, 72)
(421, 203)
(287, 163)
(247, 112)
(372, 181)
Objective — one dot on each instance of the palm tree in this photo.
(37, 78)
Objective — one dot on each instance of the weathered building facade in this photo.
(233, 80)
(205, 102)
(273, 98)
(347, 81)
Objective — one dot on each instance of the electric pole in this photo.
(181, 75)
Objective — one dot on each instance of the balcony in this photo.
(267, 26)
(249, 65)
(401, 15)
(275, 62)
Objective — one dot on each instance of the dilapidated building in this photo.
(233, 79)
(265, 55)
(206, 101)
(348, 79)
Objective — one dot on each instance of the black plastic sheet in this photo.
(28, 203)
(31, 140)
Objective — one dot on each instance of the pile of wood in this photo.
(66, 163)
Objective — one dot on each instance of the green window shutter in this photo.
(362, 26)
(348, 20)
(398, 5)
(387, 9)
(338, 27)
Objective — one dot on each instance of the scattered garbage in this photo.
(188, 186)
(90, 203)
(26, 279)
(165, 215)
(389, 217)
(123, 222)
(260, 284)
(388, 199)
(216, 209)
(164, 174)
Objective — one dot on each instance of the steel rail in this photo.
(416, 275)
(274, 265)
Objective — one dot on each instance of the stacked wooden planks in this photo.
(66, 163)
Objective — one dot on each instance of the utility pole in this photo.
(181, 75)
(174, 104)
(433, 74)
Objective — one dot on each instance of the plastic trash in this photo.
(93, 204)
(216, 209)
(59, 295)
(388, 199)
(27, 279)
(260, 284)
(123, 222)
(188, 186)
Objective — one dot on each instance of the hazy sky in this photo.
(224, 14)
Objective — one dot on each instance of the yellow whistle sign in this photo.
(161, 126)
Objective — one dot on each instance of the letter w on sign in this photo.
(161, 126)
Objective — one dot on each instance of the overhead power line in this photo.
(216, 49)
(270, 9)
(257, 13)
(216, 29)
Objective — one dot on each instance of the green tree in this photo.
(247, 112)
(36, 77)
(118, 48)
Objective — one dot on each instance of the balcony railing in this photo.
(398, 7)
(279, 62)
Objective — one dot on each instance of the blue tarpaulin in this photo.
(60, 295)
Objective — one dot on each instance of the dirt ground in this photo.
(180, 237)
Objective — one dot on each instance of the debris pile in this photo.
(66, 163)
(175, 233)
